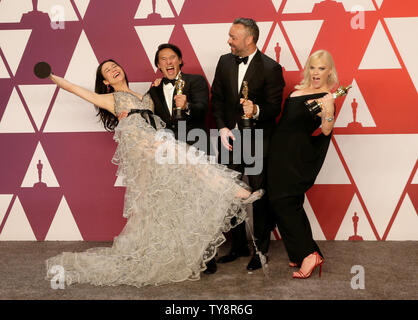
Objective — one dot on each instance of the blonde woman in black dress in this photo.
(296, 157)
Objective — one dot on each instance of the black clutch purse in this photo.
(42, 70)
(315, 107)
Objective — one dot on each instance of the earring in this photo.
(108, 88)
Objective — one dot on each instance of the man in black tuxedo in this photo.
(265, 84)
(193, 101)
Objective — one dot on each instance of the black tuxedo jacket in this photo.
(265, 84)
(197, 91)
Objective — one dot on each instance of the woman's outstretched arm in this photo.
(104, 101)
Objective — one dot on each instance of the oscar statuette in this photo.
(315, 107)
(179, 113)
(246, 122)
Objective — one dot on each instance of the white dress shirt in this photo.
(169, 93)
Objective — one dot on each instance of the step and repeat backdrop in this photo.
(57, 181)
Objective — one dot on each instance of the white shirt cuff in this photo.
(257, 114)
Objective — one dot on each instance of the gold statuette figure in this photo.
(178, 113)
(246, 122)
(180, 84)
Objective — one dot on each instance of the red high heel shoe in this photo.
(318, 262)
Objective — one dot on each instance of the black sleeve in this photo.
(198, 98)
(273, 94)
(218, 99)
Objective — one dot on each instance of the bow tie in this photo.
(167, 81)
(238, 60)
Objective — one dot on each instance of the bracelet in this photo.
(330, 119)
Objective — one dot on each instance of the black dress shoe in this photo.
(233, 255)
(255, 263)
(211, 267)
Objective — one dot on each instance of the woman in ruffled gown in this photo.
(177, 212)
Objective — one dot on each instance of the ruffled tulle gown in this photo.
(178, 203)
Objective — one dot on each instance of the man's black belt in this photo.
(146, 114)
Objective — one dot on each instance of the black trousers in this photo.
(294, 227)
(262, 220)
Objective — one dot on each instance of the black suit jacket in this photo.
(197, 91)
(265, 84)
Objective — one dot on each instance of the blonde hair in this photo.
(332, 78)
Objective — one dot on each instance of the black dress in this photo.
(295, 159)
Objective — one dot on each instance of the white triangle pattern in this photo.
(63, 226)
(379, 53)
(346, 114)
(293, 6)
(11, 10)
(38, 98)
(286, 58)
(17, 226)
(83, 64)
(405, 225)
(178, 5)
(162, 8)
(380, 165)
(3, 71)
(415, 179)
(58, 10)
(407, 47)
(119, 182)
(366, 5)
(15, 119)
(70, 113)
(264, 28)
(277, 4)
(303, 41)
(4, 204)
(332, 171)
(379, 3)
(207, 55)
(13, 44)
(151, 37)
(346, 229)
(31, 176)
(140, 87)
(317, 232)
(82, 6)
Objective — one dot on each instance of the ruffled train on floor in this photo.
(177, 214)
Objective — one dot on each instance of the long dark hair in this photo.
(108, 119)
